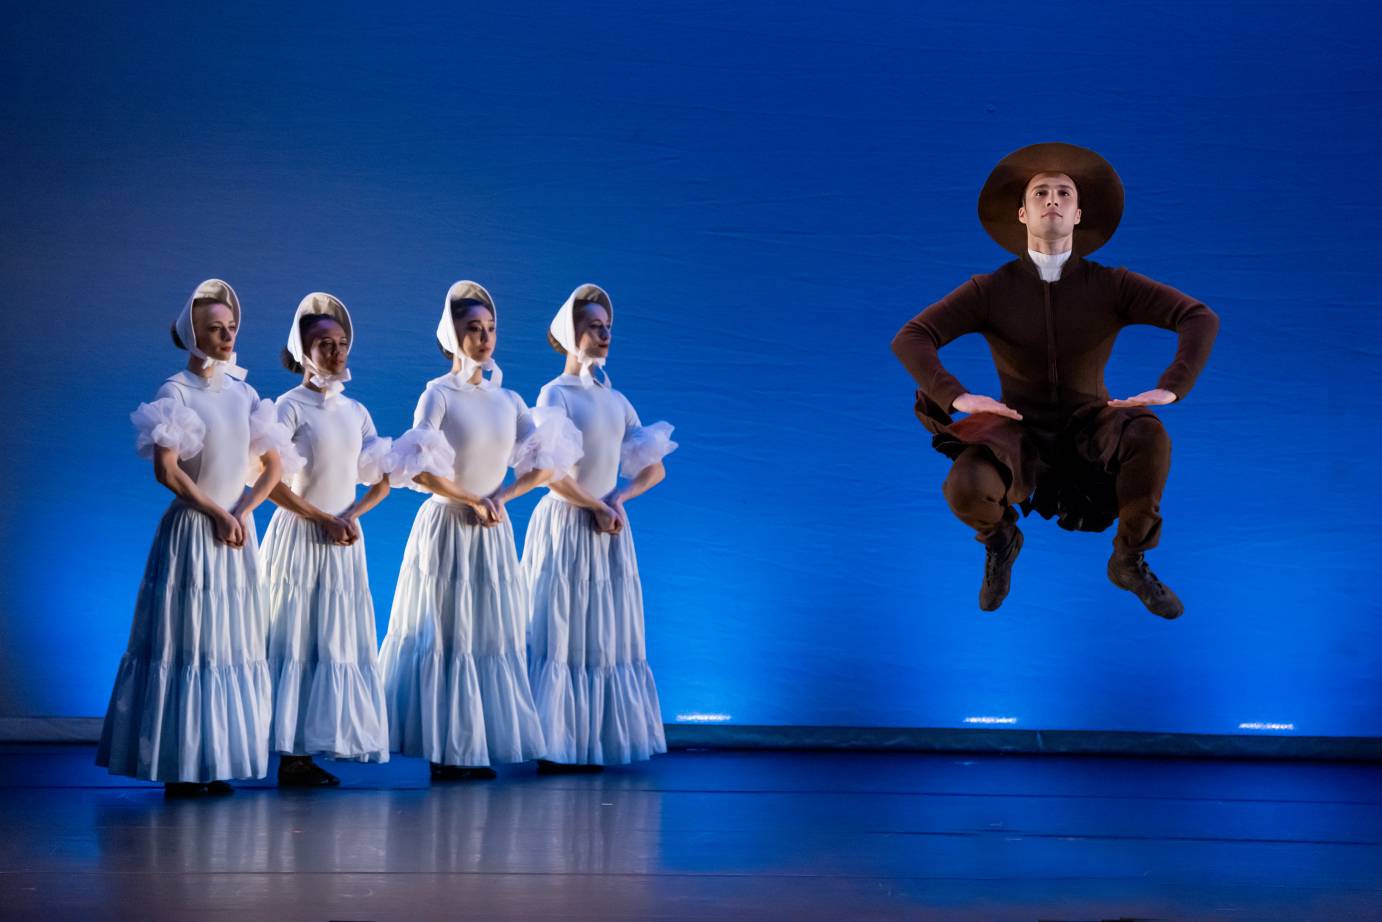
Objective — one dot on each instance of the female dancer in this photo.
(190, 706)
(454, 657)
(589, 667)
(328, 695)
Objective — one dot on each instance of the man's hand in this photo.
(977, 403)
(1156, 397)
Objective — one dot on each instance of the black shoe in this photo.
(302, 772)
(181, 789)
(544, 767)
(219, 788)
(998, 571)
(1130, 572)
(442, 772)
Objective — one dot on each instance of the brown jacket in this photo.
(1050, 341)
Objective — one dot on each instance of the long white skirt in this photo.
(328, 693)
(587, 657)
(455, 668)
(192, 694)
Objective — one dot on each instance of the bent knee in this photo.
(974, 478)
(1147, 432)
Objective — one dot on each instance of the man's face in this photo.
(1049, 206)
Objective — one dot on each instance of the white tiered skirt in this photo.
(454, 663)
(328, 691)
(587, 657)
(192, 695)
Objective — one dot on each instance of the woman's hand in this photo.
(485, 512)
(616, 504)
(338, 530)
(497, 499)
(607, 521)
(353, 520)
(228, 529)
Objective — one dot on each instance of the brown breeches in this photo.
(977, 488)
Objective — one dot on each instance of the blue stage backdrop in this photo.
(768, 191)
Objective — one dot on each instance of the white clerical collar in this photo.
(1049, 264)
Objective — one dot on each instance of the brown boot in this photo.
(1130, 572)
(998, 570)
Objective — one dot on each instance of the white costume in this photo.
(454, 660)
(587, 657)
(192, 695)
(328, 693)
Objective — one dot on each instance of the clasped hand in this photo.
(489, 510)
(228, 528)
(341, 530)
(611, 518)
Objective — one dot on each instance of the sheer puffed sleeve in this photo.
(376, 453)
(269, 433)
(168, 423)
(423, 449)
(547, 440)
(643, 445)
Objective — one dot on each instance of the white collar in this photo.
(191, 379)
(587, 377)
(583, 381)
(457, 382)
(304, 394)
(1049, 264)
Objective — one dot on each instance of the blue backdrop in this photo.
(768, 191)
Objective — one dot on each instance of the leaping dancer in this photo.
(1055, 441)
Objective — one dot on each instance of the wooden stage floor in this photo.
(694, 835)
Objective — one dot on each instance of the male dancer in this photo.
(1054, 441)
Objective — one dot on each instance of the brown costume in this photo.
(1072, 456)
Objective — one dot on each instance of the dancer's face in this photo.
(1050, 206)
(593, 331)
(328, 346)
(215, 328)
(477, 332)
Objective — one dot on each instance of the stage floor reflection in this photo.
(762, 835)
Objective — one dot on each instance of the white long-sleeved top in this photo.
(336, 438)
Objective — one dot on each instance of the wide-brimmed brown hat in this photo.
(1100, 189)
